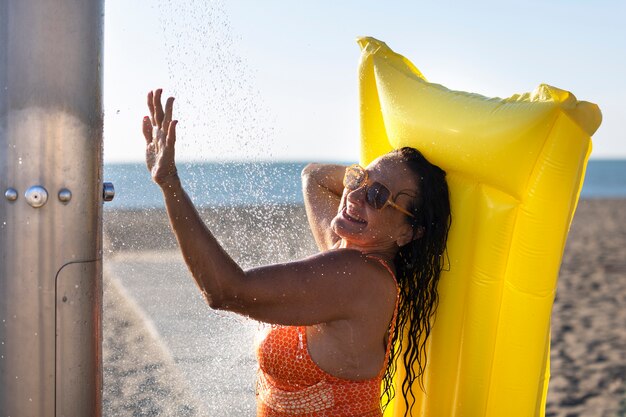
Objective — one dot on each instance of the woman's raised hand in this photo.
(160, 132)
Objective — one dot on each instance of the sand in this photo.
(588, 358)
(139, 251)
(140, 378)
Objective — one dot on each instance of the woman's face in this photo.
(361, 225)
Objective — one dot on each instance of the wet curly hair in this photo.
(418, 267)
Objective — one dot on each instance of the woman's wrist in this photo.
(170, 181)
(327, 176)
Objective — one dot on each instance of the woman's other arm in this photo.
(322, 188)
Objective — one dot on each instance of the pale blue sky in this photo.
(277, 80)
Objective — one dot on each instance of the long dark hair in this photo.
(418, 266)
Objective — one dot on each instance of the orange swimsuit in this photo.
(290, 384)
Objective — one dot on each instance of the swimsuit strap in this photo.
(385, 264)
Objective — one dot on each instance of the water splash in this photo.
(213, 351)
(212, 80)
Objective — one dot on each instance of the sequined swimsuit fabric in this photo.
(290, 383)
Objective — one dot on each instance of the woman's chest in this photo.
(283, 356)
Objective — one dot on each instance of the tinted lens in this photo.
(377, 195)
(353, 178)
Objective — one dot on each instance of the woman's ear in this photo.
(409, 235)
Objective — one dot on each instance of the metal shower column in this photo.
(50, 207)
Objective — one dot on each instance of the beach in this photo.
(156, 368)
(211, 353)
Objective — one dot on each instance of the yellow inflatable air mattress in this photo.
(515, 168)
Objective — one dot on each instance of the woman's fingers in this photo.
(146, 127)
(169, 105)
(158, 108)
(151, 107)
(171, 134)
(160, 141)
(158, 117)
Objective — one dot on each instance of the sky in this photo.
(277, 79)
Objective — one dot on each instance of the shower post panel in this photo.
(51, 207)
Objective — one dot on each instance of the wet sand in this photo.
(588, 359)
(140, 377)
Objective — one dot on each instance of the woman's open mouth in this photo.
(352, 218)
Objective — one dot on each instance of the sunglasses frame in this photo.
(364, 183)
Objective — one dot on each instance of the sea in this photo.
(219, 184)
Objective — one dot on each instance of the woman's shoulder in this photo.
(371, 271)
(346, 256)
(357, 257)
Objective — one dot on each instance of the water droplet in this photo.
(300, 341)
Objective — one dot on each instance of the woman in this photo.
(381, 231)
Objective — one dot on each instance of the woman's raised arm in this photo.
(322, 188)
(319, 289)
(201, 251)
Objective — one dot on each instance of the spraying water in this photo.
(167, 353)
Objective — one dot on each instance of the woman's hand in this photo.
(160, 132)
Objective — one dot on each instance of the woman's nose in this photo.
(358, 195)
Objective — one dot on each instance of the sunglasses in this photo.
(376, 195)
